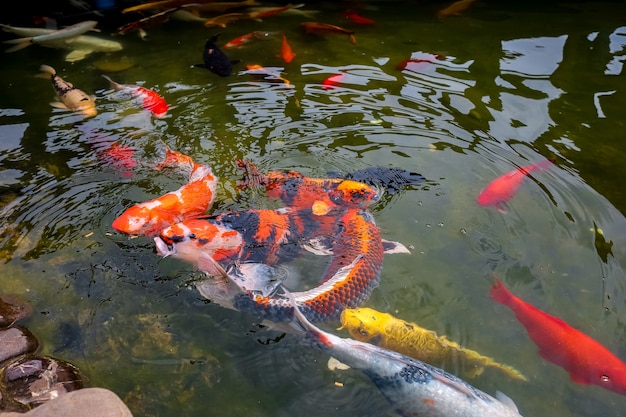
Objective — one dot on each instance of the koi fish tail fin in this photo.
(114, 85)
(47, 72)
(20, 43)
(481, 361)
(352, 39)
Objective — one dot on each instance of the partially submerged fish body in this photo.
(150, 99)
(62, 34)
(298, 191)
(349, 279)
(384, 330)
(412, 387)
(191, 200)
(71, 97)
(80, 46)
(214, 59)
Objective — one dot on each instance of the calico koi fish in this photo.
(65, 34)
(300, 192)
(71, 97)
(505, 186)
(285, 51)
(215, 60)
(350, 278)
(191, 200)
(317, 28)
(586, 360)
(150, 99)
(384, 330)
(244, 39)
(412, 387)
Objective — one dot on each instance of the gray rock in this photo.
(16, 341)
(92, 402)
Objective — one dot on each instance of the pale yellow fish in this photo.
(455, 8)
(384, 330)
(71, 97)
(224, 19)
(65, 34)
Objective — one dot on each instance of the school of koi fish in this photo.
(242, 252)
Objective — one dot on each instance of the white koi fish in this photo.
(81, 46)
(56, 35)
(71, 97)
(413, 387)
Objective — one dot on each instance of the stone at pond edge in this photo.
(16, 341)
(12, 309)
(34, 380)
(91, 402)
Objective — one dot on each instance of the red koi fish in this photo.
(316, 28)
(191, 200)
(259, 15)
(333, 81)
(244, 39)
(359, 20)
(285, 51)
(586, 360)
(321, 195)
(120, 157)
(505, 186)
(416, 63)
(150, 99)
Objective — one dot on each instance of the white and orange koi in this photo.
(191, 200)
(150, 99)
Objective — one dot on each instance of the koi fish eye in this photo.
(605, 378)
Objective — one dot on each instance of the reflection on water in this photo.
(430, 98)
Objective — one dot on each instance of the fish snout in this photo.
(163, 248)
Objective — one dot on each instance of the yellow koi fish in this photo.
(70, 97)
(382, 329)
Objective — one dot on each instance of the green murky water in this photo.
(513, 85)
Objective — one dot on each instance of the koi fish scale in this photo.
(343, 285)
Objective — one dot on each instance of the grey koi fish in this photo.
(413, 388)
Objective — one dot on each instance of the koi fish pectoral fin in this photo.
(258, 277)
(390, 246)
(318, 246)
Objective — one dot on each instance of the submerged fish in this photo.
(150, 99)
(244, 39)
(80, 46)
(412, 387)
(65, 34)
(586, 360)
(215, 60)
(505, 186)
(71, 97)
(386, 331)
(285, 51)
(455, 9)
(317, 28)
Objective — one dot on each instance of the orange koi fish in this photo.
(244, 39)
(586, 360)
(425, 59)
(504, 187)
(297, 191)
(147, 22)
(258, 15)
(333, 81)
(285, 52)
(150, 99)
(225, 19)
(255, 69)
(316, 28)
(354, 17)
(351, 276)
(191, 200)
(455, 9)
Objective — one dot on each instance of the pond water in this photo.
(499, 87)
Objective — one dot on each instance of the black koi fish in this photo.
(215, 60)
